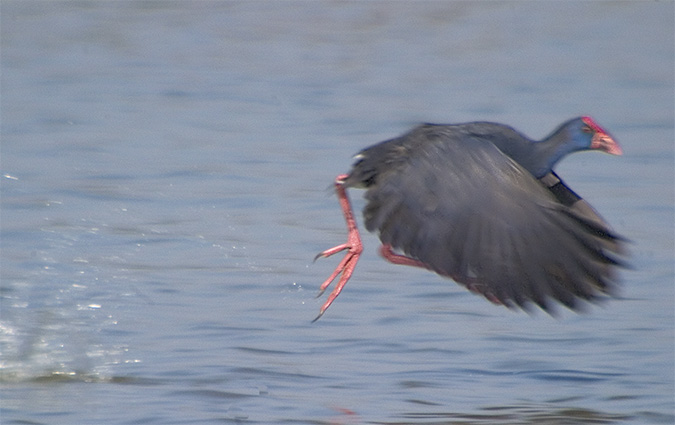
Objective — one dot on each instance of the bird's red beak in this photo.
(605, 143)
(601, 139)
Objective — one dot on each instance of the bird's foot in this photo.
(353, 246)
(346, 267)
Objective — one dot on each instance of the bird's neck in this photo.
(549, 151)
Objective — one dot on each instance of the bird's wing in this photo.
(467, 211)
(582, 209)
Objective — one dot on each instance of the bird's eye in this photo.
(586, 129)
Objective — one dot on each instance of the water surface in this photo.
(165, 185)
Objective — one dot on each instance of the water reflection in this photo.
(505, 415)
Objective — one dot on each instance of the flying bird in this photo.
(479, 203)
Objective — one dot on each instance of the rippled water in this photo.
(165, 185)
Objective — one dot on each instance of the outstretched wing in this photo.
(467, 211)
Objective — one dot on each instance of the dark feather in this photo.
(458, 204)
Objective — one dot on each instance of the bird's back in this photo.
(390, 156)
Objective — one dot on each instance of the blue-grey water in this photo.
(166, 172)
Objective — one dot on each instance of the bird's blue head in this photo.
(586, 134)
(575, 135)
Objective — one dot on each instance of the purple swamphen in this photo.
(480, 204)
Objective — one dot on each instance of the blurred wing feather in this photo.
(469, 212)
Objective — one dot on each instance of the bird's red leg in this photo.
(353, 247)
(471, 283)
(389, 255)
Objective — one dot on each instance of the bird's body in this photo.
(479, 203)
